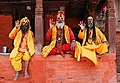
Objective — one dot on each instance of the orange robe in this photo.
(90, 48)
(16, 34)
(23, 49)
(68, 35)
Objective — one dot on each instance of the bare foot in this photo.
(26, 75)
(63, 55)
(16, 76)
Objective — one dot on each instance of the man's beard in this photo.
(24, 28)
(60, 24)
(90, 25)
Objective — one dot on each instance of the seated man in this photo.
(93, 40)
(61, 38)
(23, 46)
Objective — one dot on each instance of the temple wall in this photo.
(56, 69)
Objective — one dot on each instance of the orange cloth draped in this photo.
(89, 50)
(16, 34)
(46, 50)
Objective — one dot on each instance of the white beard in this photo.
(60, 24)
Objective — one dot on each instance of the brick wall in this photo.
(5, 28)
(56, 69)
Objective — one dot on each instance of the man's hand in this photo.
(73, 45)
(17, 24)
(51, 23)
(82, 25)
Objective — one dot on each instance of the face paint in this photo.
(60, 21)
(25, 26)
(60, 18)
(25, 23)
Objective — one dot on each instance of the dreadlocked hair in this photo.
(94, 32)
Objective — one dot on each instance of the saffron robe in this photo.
(90, 48)
(16, 34)
(46, 50)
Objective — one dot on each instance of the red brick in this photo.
(56, 69)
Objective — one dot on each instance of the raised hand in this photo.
(82, 25)
(51, 23)
(17, 23)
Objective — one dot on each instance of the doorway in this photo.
(10, 11)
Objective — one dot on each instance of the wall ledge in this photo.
(58, 69)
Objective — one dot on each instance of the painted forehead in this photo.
(25, 20)
(60, 15)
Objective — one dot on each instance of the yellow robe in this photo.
(89, 50)
(46, 50)
(16, 34)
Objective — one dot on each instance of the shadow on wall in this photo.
(76, 31)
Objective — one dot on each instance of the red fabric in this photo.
(48, 36)
(65, 48)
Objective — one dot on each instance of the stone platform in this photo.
(58, 69)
